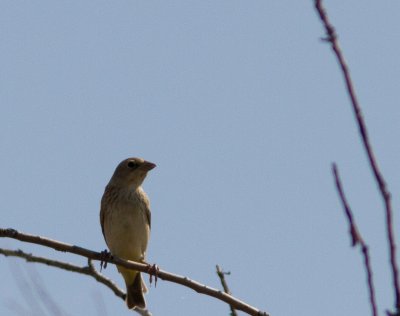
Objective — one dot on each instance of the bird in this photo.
(125, 220)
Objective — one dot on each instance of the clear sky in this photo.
(242, 108)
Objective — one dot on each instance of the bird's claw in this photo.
(105, 255)
(153, 270)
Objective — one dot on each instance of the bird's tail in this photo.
(134, 293)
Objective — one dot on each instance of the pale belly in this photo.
(127, 233)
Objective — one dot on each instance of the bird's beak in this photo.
(147, 166)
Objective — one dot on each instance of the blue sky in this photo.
(242, 108)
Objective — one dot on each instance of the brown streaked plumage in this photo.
(125, 219)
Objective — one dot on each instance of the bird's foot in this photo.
(105, 255)
(153, 270)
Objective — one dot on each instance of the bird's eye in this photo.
(132, 165)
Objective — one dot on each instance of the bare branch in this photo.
(221, 274)
(89, 270)
(357, 240)
(164, 275)
(332, 39)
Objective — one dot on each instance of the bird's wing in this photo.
(148, 215)
(104, 200)
(102, 221)
(146, 203)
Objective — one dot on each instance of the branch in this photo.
(164, 275)
(221, 275)
(89, 270)
(386, 197)
(356, 239)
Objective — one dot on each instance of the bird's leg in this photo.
(105, 255)
(153, 270)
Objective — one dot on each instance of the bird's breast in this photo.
(126, 228)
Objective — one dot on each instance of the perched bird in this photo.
(125, 221)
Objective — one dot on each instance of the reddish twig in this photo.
(332, 39)
(356, 239)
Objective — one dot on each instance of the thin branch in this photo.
(89, 270)
(164, 275)
(356, 239)
(221, 274)
(332, 39)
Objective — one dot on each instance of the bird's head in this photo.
(131, 172)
